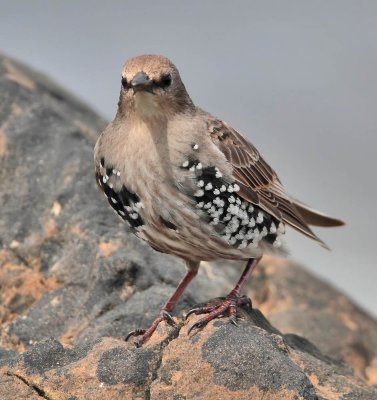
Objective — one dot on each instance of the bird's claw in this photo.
(145, 334)
(168, 318)
(199, 310)
(228, 305)
(233, 320)
(200, 324)
(135, 332)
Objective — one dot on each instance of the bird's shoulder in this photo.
(248, 167)
(105, 139)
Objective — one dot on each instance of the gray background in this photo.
(298, 78)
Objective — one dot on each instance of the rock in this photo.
(74, 282)
(296, 301)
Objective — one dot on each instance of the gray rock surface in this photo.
(74, 282)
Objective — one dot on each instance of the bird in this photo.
(191, 186)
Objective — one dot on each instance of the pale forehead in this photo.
(153, 66)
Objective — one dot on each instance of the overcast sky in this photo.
(298, 78)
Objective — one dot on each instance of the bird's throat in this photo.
(147, 106)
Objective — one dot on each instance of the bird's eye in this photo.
(165, 81)
(124, 83)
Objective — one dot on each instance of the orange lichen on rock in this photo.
(3, 143)
(16, 75)
(20, 286)
(371, 372)
(198, 377)
(106, 249)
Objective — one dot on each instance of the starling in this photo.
(190, 185)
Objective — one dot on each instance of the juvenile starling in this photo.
(190, 185)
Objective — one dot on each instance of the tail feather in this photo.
(314, 217)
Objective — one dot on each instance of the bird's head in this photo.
(152, 88)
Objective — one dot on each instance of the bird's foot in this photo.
(144, 334)
(228, 305)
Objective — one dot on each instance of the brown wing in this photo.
(259, 183)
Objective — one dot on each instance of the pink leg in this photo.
(230, 303)
(145, 334)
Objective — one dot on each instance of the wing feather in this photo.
(259, 183)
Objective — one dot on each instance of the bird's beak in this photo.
(141, 82)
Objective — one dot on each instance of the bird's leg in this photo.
(145, 334)
(229, 304)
